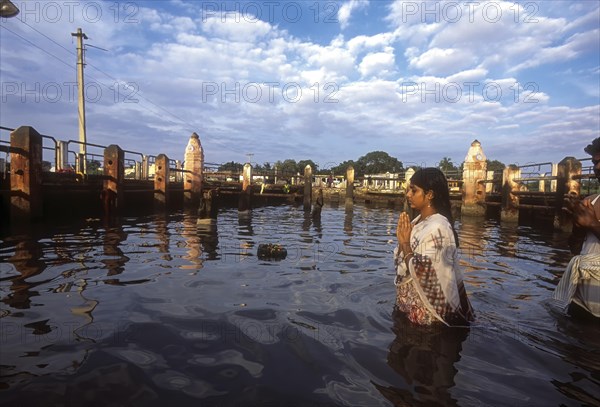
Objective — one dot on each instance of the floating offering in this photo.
(270, 251)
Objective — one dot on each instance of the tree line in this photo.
(375, 162)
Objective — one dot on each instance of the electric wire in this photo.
(190, 127)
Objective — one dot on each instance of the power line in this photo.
(99, 70)
(31, 43)
(190, 128)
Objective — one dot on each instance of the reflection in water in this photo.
(425, 358)
(245, 233)
(507, 243)
(209, 239)
(192, 243)
(164, 236)
(84, 310)
(471, 240)
(308, 221)
(348, 218)
(26, 261)
(115, 258)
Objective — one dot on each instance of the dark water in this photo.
(154, 311)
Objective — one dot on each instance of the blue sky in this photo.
(323, 80)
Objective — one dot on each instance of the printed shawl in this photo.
(432, 287)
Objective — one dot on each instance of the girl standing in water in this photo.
(429, 282)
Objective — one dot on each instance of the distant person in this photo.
(579, 286)
(429, 282)
(329, 181)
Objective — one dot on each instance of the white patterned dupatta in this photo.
(434, 272)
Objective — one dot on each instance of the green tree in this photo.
(495, 165)
(377, 162)
(93, 166)
(449, 169)
(231, 166)
(303, 163)
(446, 165)
(341, 168)
(287, 167)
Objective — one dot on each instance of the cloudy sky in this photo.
(323, 80)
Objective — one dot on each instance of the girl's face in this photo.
(417, 198)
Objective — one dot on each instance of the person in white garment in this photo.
(579, 287)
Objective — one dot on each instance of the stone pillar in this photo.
(193, 167)
(350, 184)
(161, 182)
(510, 201)
(62, 156)
(542, 183)
(568, 172)
(80, 163)
(246, 177)
(25, 174)
(245, 203)
(179, 168)
(114, 173)
(489, 186)
(145, 167)
(307, 188)
(473, 191)
(554, 174)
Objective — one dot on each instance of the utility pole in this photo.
(81, 99)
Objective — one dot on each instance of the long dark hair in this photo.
(432, 179)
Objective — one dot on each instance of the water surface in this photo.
(157, 311)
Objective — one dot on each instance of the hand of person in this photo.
(403, 229)
(582, 212)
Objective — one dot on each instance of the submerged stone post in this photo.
(567, 183)
(316, 212)
(474, 175)
(350, 184)
(25, 174)
(244, 203)
(246, 176)
(510, 201)
(307, 188)
(114, 174)
(161, 182)
(193, 167)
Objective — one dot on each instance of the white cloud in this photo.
(172, 58)
(236, 27)
(346, 10)
(376, 42)
(468, 75)
(378, 64)
(574, 46)
(446, 61)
